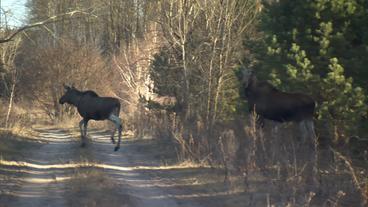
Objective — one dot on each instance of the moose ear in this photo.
(66, 87)
(247, 71)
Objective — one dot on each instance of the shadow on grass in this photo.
(61, 172)
(13, 147)
(91, 187)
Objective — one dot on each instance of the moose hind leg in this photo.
(120, 129)
(304, 131)
(113, 134)
(116, 120)
(80, 127)
(85, 127)
(310, 128)
(312, 168)
(260, 122)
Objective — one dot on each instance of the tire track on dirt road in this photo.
(128, 167)
(40, 176)
(46, 177)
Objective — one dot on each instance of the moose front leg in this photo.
(260, 121)
(117, 122)
(120, 129)
(81, 123)
(113, 134)
(83, 130)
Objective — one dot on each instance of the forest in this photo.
(176, 68)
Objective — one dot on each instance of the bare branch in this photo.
(52, 19)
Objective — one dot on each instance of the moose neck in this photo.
(75, 99)
(252, 82)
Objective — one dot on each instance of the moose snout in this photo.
(61, 100)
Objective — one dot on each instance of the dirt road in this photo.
(142, 173)
(53, 170)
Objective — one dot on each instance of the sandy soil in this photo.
(142, 173)
(55, 171)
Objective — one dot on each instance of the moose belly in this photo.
(278, 115)
(94, 114)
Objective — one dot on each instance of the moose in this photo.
(91, 106)
(270, 103)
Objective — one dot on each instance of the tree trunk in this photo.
(10, 106)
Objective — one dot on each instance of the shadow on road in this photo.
(55, 171)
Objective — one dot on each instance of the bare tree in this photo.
(208, 35)
(9, 76)
(225, 23)
(132, 66)
(8, 71)
(203, 40)
(49, 20)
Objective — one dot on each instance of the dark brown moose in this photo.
(91, 106)
(270, 103)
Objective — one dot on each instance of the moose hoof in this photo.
(83, 145)
(116, 148)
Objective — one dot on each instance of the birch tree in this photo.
(9, 76)
(205, 39)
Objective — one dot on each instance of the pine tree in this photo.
(319, 47)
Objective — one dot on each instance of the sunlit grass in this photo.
(93, 188)
(87, 164)
(46, 180)
(17, 131)
(198, 195)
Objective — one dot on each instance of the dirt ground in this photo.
(56, 171)
(53, 170)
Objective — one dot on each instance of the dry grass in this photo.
(359, 177)
(20, 131)
(22, 115)
(287, 165)
(73, 121)
(273, 162)
(71, 125)
(291, 172)
(91, 187)
(16, 142)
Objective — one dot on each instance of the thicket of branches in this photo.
(97, 45)
(317, 47)
(188, 50)
(173, 65)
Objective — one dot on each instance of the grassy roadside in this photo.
(91, 187)
(17, 144)
(84, 183)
